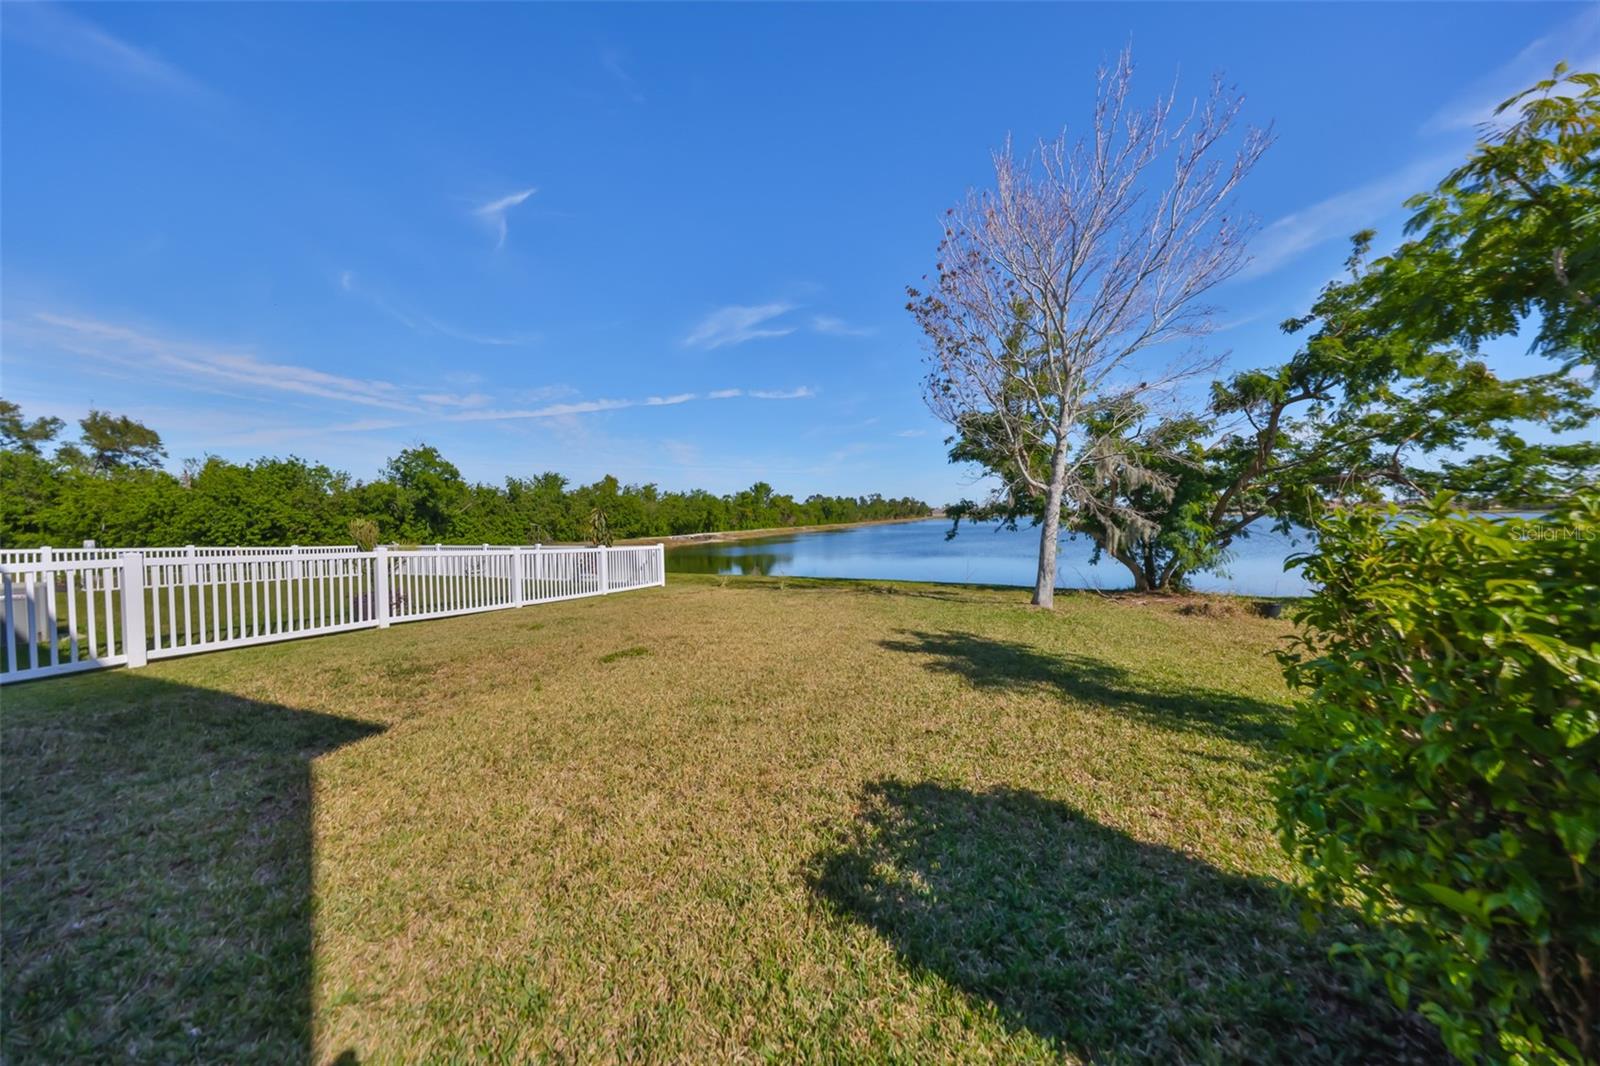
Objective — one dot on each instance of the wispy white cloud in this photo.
(1576, 41)
(804, 392)
(581, 407)
(1340, 215)
(912, 433)
(257, 385)
(511, 340)
(455, 399)
(122, 344)
(427, 324)
(1238, 320)
(54, 29)
(280, 435)
(552, 410)
(838, 327)
(682, 453)
(494, 212)
(737, 324)
(614, 62)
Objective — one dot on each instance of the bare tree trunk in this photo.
(1044, 587)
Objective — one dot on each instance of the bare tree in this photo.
(1084, 254)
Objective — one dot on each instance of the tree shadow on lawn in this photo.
(989, 663)
(155, 862)
(951, 592)
(1112, 949)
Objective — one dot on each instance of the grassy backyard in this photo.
(726, 819)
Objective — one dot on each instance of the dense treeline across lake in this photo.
(109, 487)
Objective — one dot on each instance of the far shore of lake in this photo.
(774, 531)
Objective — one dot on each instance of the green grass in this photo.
(721, 820)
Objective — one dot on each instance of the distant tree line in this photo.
(109, 486)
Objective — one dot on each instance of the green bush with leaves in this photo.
(1445, 776)
(364, 531)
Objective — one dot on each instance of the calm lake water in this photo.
(987, 555)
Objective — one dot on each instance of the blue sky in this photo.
(665, 242)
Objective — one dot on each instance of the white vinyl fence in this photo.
(77, 609)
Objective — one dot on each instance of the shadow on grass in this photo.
(755, 581)
(155, 862)
(989, 663)
(1112, 949)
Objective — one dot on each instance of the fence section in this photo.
(436, 583)
(63, 617)
(69, 609)
(627, 568)
(230, 601)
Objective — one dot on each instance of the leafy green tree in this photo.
(130, 507)
(1526, 476)
(431, 494)
(1511, 236)
(117, 442)
(542, 509)
(20, 434)
(30, 493)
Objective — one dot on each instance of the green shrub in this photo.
(364, 531)
(1445, 776)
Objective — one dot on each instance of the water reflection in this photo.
(697, 560)
(918, 551)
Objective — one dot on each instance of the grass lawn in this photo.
(726, 819)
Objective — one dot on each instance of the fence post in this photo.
(538, 557)
(380, 585)
(188, 567)
(516, 577)
(44, 595)
(295, 566)
(605, 575)
(133, 635)
(661, 564)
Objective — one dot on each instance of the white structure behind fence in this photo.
(81, 608)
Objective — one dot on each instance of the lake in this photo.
(983, 554)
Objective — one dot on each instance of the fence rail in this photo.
(81, 608)
(23, 556)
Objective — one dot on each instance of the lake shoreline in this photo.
(1187, 601)
(723, 536)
